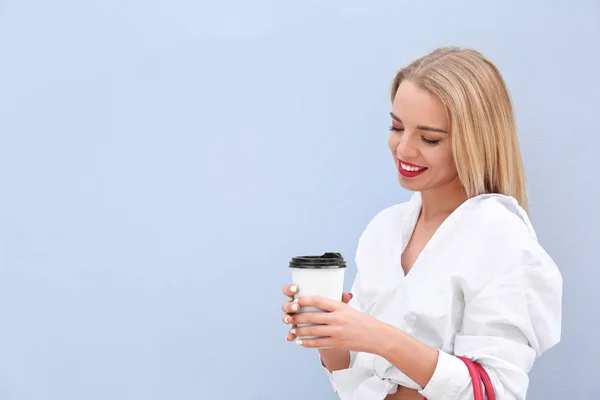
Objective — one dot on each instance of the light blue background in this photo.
(161, 160)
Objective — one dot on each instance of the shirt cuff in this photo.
(449, 379)
(330, 375)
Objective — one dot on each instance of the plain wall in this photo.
(161, 161)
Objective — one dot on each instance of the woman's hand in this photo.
(343, 326)
(291, 307)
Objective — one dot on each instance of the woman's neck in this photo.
(442, 201)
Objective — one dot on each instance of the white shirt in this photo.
(482, 288)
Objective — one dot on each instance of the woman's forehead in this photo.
(415, 105)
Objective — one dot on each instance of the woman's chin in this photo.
(410, 184)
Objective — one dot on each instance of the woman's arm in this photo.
(415, 359)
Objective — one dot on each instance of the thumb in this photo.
(346, 297)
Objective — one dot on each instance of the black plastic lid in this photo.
(326, 261)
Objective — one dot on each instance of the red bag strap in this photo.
(479, 375)
(475, 378)
(487, 382)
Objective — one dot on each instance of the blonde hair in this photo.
(480, 113)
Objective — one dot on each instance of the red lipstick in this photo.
(410, 174)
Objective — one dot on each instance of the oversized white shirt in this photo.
(482, 288)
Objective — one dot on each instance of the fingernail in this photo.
(293, 331)
(294, 289)
(295, 307)
(296, 300)
(287, 320)
(299, 342)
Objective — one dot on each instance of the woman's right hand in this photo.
(291, 306)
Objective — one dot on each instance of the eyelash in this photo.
(423, 139)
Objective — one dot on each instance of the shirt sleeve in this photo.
(506, 326)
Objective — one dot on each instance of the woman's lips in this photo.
(410, 170)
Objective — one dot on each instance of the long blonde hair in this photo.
(480, 113)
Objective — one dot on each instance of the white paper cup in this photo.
(318, 276)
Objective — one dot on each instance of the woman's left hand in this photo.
(343, 326)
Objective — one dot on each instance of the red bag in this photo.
(479, 375)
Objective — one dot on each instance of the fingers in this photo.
(313, 318)
(315, 343)
(290, 307)
(290, 290)
(291, 336)
(321, 318)
(288, 319)
(313, 330)
(319, 302)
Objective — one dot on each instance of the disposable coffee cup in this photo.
(318, 276)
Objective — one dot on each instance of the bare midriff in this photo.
(405, 393)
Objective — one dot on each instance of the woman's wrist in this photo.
(384, 338)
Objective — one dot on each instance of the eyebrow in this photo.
(420, 127)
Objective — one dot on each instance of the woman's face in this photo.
(420, 140)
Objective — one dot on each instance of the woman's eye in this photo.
(395, 129)
(429, 141)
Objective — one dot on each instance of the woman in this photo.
(455, 271)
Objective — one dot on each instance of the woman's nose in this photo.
(407, 147)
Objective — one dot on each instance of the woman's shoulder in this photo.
(497, 216)
(501, 240)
